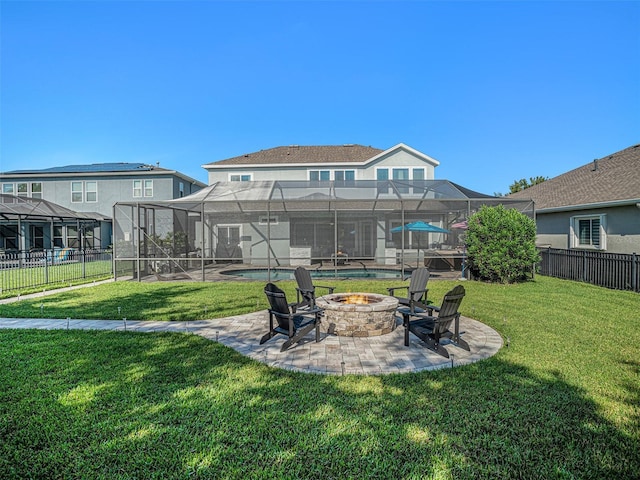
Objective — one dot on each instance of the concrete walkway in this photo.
(332, 355)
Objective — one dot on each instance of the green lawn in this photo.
(561, 401)
(35, 279)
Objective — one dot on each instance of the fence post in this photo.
(634, 272)
(84, 266)
(46, 266)
(584, 265)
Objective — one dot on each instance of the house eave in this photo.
(35, 175)
(589, 206)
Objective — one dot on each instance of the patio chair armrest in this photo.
(331, 289)
(424, 292)
(314, 310)
(393, 289)
(293, 306)
(415, 314)
(281, 315)
(432, 308)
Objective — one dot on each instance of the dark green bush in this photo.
(501, 245)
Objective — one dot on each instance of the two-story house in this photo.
(325, 163)
(90, 190)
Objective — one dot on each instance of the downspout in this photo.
(113, 244)
(402, 237)
(202, 240)
(269, 241)
(335, 240)
(137, 243)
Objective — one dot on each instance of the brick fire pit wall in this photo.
(377, 317)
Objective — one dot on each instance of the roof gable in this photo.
(613, 178)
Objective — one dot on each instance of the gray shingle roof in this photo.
(304, 154)
(611, 178)
(92, 168)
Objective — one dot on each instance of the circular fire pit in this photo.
(358, 314)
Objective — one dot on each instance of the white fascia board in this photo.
(402, 146)
(589, 206)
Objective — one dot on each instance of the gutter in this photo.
(588, 206)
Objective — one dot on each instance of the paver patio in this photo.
(332, 355)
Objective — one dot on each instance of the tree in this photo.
(519, 185)
(501, 244)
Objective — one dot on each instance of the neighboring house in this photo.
(596, 206)
(89, 189)
(325, 163)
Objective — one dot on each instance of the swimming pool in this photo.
(287, 274)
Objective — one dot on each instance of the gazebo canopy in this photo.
(37, 209)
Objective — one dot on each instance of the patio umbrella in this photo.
(463, 225)
(419, 226)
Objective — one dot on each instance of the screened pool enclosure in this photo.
(273, 224)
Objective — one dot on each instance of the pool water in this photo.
(287, 274)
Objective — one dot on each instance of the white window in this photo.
(237, 177)
(91, 192)
(7, 188)
(181, 189)
(344, 175)
(401, 174)
(589, 231)
(23, 189)
(320, 175)
(418, 174)
(36, 190)
(382, 175)
(137, 188)
(148, 188)
(328, 175)
(76, 192)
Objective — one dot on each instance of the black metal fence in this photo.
(611, 270)
(23, 271)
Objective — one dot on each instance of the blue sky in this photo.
(496, 91)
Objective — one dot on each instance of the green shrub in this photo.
(501, 245)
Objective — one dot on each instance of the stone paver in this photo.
(332, 355)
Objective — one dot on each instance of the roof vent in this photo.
(595, 165)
